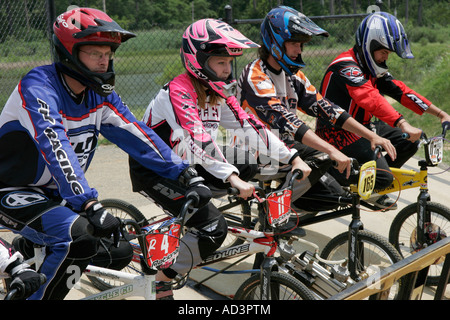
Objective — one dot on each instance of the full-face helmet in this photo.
(206, 38)
(283, 24)
(86, 26)
(381, 30)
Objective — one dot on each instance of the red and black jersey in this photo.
(348, 85)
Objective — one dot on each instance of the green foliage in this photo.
(140, 14)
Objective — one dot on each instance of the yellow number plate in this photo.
(366, 183)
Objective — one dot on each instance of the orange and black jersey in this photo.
(347, 84)
(274, 97)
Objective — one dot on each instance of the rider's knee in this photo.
(383, 180)
(320, 161)
(211, 235)
(84, 245)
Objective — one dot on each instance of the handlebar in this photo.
(17, 293)
(445, 127)
(296, 175)
(423, 137)
(185, 213)
(354, 166)
(184, 216)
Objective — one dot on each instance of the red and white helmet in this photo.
(209, 37)
(82, 26)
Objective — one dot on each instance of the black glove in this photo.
(25, 280)
(103, 223)
(196, 190)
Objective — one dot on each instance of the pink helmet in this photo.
(209, 37)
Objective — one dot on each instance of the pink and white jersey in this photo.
(194, 133)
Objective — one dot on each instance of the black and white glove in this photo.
(196, 190)
(103, 223)
(25, 280)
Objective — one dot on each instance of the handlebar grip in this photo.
(377, 151)
(186, 213)
(297, 174)
(11, 294)
(18, 293)
(445, 127)
(405, 135)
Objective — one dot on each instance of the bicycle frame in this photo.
(257, 242)
(142, 285)
(352, 208)
(135, 285)
(408, 179)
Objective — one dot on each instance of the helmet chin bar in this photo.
(230, 89)
(100, 83)
(225, 90)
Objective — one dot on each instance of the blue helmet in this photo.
(283, 24)
(381, 30)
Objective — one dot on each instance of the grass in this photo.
(144, 64)
(427, 74)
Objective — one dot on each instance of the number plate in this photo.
(366, 183)
(279, 207)
(435, 151)
(162, 243)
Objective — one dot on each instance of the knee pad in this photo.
(83, 246)
(211, 236)
(319, 163)
(108, 256)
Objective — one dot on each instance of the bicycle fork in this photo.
(267, 264)
(355, 246)
(423, 215)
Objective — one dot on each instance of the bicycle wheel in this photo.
(237, 213)
(283, 287)
(378, 254)
(403, 233)
(122, 210)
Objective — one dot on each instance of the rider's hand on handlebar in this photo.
(413, 133)
(245, 189)
(196, 190)
(385, 144)
(200, 193)
(343, 163)
(25, 280)
(299, 164)
(103, 223)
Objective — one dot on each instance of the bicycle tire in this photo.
(291, 288)
(403, 228)
(240, 217)
(337, 249)
(123, 210)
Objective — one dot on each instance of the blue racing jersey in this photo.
(48, 137)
